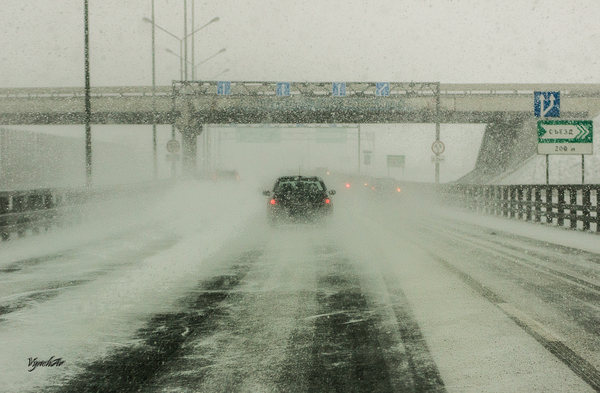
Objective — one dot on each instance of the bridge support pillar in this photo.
(190, 129)
(189, 150)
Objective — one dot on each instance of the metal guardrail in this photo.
(570, 206)
(33, 210)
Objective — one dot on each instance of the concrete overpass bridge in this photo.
(507, 109)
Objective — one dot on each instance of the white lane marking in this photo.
(531, 323)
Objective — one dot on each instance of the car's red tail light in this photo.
(327, 200)
(398, 189)
(273, 202)
(347, 185)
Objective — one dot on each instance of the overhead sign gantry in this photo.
(307, 102)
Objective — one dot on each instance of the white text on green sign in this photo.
(567, 131)
(565, 136)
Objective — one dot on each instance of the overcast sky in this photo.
(451, 41)
(326, 40)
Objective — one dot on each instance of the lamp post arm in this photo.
(208, 58)
(166, 31)
(216, 19)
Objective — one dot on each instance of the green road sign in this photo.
(565, 136)
(395, 161)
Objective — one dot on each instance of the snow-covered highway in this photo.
(193, 291)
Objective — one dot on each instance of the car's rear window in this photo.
(298, 186)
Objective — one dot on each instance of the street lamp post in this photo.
(190, 63)
(220, 73)
(188, 132)
(154, 139)
(88, 106)
(208, 58)
(172, 35)
(182, 41)
(180, 60)
(185, 36)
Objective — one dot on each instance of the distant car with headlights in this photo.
(385, 187)
(357, 182)
(299, 199)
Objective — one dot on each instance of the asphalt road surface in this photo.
(384, 298)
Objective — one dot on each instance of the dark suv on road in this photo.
(299, 199)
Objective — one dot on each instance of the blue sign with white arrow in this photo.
(382, 89)
(223, 88)
(546, 103)
(283, 89)
(338, 89)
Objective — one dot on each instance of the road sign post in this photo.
(546, 104)
(395, 162)
(565, 137)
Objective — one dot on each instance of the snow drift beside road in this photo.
(84, 322)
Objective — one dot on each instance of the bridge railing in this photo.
(30, 211)
(571, 206)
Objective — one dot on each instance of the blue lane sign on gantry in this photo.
(283, 89)
(224, 88)
(382, 89)
(546, 103)
(338, 89)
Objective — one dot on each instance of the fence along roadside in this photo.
(33, 210)
(573, 206)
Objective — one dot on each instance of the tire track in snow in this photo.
(581, 367)
(359, 343)
(34, 285)
(583, 295)
(137, 367)
(294, 317)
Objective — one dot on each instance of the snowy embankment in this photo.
(563, 169)
(552, 235)
(84, 322)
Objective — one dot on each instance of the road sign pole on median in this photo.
(359, 148)
(437, 129)
(547, 169)
(582, 169)
(565, 137)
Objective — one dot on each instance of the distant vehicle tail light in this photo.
(273, 202)
(347, 185)
(327, 200)
(398, 189)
